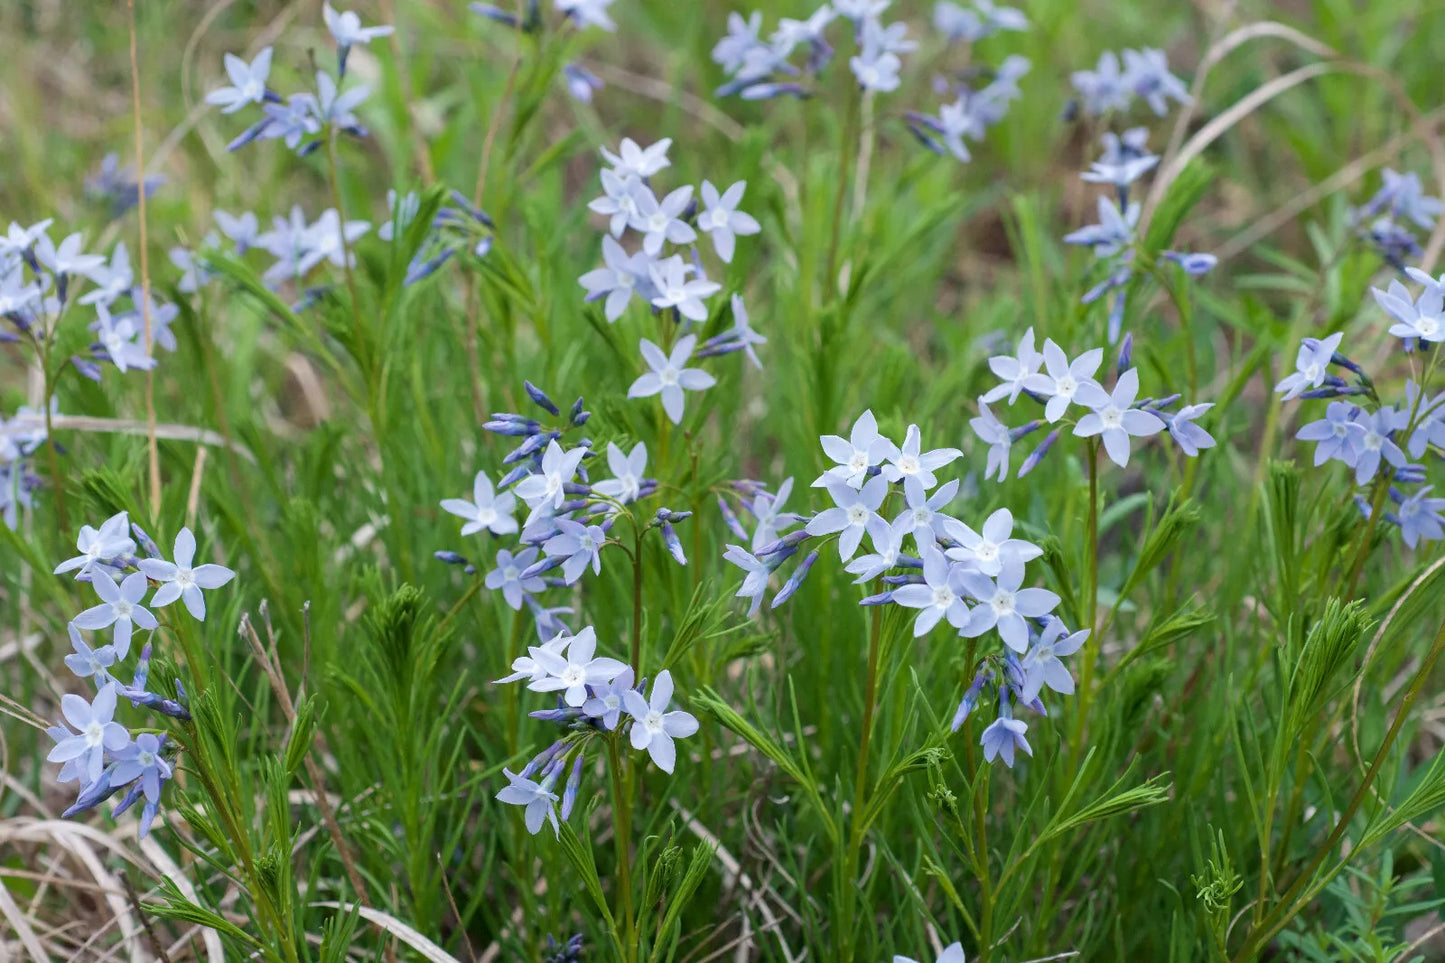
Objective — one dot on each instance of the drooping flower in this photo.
(996, 435)
(1004, 735)
(756, 581)
(621, 276)
(768, 510)
(537, 799)
(653, 727)
(1419, 517)
(142, 761)
(1189, 436)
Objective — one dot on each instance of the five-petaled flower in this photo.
(653, 727)
(181, 579)
(669, 376)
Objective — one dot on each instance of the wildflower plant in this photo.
(586, 480)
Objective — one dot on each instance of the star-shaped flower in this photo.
(1004, 605)
(721, 218)
(909, 462)
(670, 376)
(1115, 421)
(544, 491)
(111, 541)
(572, 673)
(854, 512)
(119, 606)
(95, 732)
(248, 82)
(507, 576)
(487, 509)
(864, 448)
(653, 727)
(627, 471)
(182, 580)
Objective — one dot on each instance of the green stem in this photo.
(1362, 549)
(850, 138)
(622, 826)
(637, 602)
(335, 178)
(1091, 602)
(1284, 910)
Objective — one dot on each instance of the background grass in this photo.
(343, 439)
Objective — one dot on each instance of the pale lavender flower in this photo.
(1338, 433)
(635, 161)
(95, 732)
(507, 576)
(627, 472)
(142, 760)
(740, 335)
(953, 953)
(181, 580)
(581, 84)
(909, 461)
(98, 546)
(1115, 421)
(527, 667)
(923, 514)
(120, 606)
(622, 277)
(618, 202)
(939, 596)
(887, 547)
(588, 13)
(248, 82)
(111, 280)
(538, 799)
(768, 509)
(1014, 370)
(990, 551)
(876, 70)
(573, 672)
(605, 703)
(67, 257)
(742, 36)
(674, 290)
(1419, 517)
(1422, 317)
(660, 221)
(87, 662)
(1113, 233)
(1004, 735)
(996, 435)
(1004, 605)
(299, 117)
(1105, 88)
(1375, 444)
(240, 229)
(721, 218)
(653, 727)
(1041, 663)
(670, 376)
(580, 544)
(346, 27)
(865, 448)
(120, 338)
(1311, 365)
(855, 512)
(327, 240)
(19, 240)
(859, 11)
(1186, 433)
(486, 511)
(1066, 381)
(756, 581)
(543, 490)
(1146, 73)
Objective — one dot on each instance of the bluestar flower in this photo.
(88, 662)
(1004, 735)
(1014, 370)
(722, 220)
(892, 38)
(772, 520)
(987, 553)
(793, 33)
(1146, 73)
(240, 229)
(969, 702)
(860, 10)
(624, 275)
(67, 257)
(324, 241)
(742, 36)
(588, 13)
(99, 546)
(527, 667)
(1401, 195)
(1422, 318)
(486, 511)
(996, 435)
(618, 201)
(865, 448)
(1338, 433)
(653, 727)
(18, 241)
(299, 117)
(660, 221)
(627, 473)
(939, 596)
(855, 512)
(1194, 264)
(1430, 421)
(1186, 433)
(632, 160)
(909, 461)
(1376, 444)
(120, 339)
(1004, 605)
(248, 82)
(1063, 381)
(120, 606)
(953, 953)
(538, 800)
(674, 290)
(544, 491)
(1115, 421)
(960, 25)
(181, 580)
(1041, 663)
(1104, 88)
(876, 70)
(580, 544)
(573, 672)
(1113, 233)
(581, 84)
(1125, 159)
(922, 513)
(887, 547)
(346, 27)
(111, 280)
(758, 572)
(740, 337)
(95, 732)
(670, 376)
(142, 760)
(1311, 366)
(606, 701)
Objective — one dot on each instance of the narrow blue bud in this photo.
(574, 783)
(903, 579)
(673, 543)
(93, 794)
(514, 476)
(450, 558)
(970, 698)
(1126, 350)
(146, 543)
(87, 368)
(882, 598)
(1015, 434)
(730, 519)
(796, 579)
(511, 428)
(542, 758)
(789, 541)
(540, 398)
(545, 565)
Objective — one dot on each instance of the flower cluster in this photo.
(1113, 240)
(20, 438)
(1110, 88)
(1059, 383)
(675, 286)
(1387, 221)
(973, 580)
(96, 751)
(1383, 444)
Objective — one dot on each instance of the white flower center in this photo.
(253, 90)
(486, 514)
(1427, 327)
(859, 461)
(986, 552)
(510, 573)
(611, 701)
(857, 515)
(146, 759)
(1112, 417)
(94, 734)
(624, 279)
(1373, 441)
(122, 609)
(1066, 386)
(1409, 510)
(1314, 373)
(626, 204)
(573, 675)
(943, 596)
(668, 375)
(1003, 603)
(657, 222)
(908, 464)
(185, 578)
(676, 295)
(587, 544)
(1340, 429)
(922, 516)
(653, 721)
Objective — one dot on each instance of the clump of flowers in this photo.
(1387, 221)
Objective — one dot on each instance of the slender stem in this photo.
(1362, 549)
(1091, 601)
(1283, 910)
(850, 138)
(980, 848)
(637, 603)
(57, 479)
(622, 827)
(152, 449)
(335, 178)
(860, 782)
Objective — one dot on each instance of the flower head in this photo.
(95, 733)
(487, 510)
(248, 82)
(670, 376)
(181, 579)
(120, 606)
(653, 727)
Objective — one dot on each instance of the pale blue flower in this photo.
(953, 953)
(527, 667)
(1376, 443)
(579, 544)
(1113, 233)
(854, 512)
(507, 576)
(537, 799)
(240, 229)
(1116, 421)
(1422, 317)
(996, 435)
(669, 376)
(1004, 735)
(1004, 604)
(624, 275)
(768, 510)
(618, 202)
(486, 511)
(660, 221)
(1311, 365)
(588, 13)
(67, 257)
(923, 514)
(346, 27)
(758, 573)
(742, 36)
(653, 727)
(1146, 73)
(938, 597)
(627, 473)
(909, 461)
(111, 280)
(1014, 371)
(120, 606)
(573, 672)
(605, 703)
(142, 761)
(1103, 89)
(87, 662)
(721, 219)
(635, 161)
(989, 551)
(1041, 663)
(544, 490)
(887, 547)
(1063, 381)
(181, 580)
(1419, 517)
(248, 82)
(1338, 434)
(95, 732)
(876, 70)
(1189, 436)
(865, 448)
(672, 289)
(99, 546)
